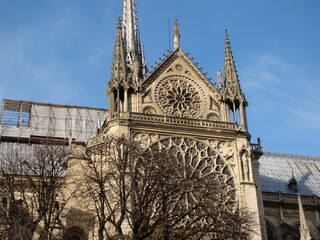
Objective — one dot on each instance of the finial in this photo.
(219, 76)
(176, 36)
(176, 27)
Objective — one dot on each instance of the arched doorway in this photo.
(74, 233)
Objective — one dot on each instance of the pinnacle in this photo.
(231, 81)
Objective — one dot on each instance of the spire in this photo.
(119, 68)
(233, 97)
(304, 229)
(176, 35)
(231, 81)
(130, 29)
(131, 35)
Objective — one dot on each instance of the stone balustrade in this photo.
(176, 120)
(166, 120)
(293, 199)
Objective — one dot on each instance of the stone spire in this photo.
(231, 81)
(233, 97)
(304, 229)
(119, 67)
(131, 35)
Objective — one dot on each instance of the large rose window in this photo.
(179, 98)
(198, 162)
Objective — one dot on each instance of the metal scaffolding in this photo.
(32, 120)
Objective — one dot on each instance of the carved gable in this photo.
(179, 88)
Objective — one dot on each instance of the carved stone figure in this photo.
(176, 27)
(245, 166)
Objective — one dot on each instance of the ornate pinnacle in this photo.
(231, 81)
(119, 68)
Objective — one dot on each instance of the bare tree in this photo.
(107, 183)
(33, 189)
(158, 196)
(171, 203)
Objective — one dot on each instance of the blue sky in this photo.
(60, 51)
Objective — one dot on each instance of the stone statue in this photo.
(245, 166)
(176, 27)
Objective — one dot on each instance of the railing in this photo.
(257, 149)
(293, 199)
(176, 120)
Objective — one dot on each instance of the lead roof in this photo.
(276, 170)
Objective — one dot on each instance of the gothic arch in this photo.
(74, 233)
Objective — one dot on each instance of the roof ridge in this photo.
(292, 156)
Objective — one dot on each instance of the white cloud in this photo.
(283, 101)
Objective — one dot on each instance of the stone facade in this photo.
(177, 106)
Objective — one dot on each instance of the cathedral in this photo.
(175, 105)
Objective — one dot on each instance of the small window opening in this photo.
(293, 185)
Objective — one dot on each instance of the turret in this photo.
(233, 97)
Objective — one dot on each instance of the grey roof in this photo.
(276, 169)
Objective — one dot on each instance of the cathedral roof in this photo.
(277, 169)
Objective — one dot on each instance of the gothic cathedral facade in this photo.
(176, 106)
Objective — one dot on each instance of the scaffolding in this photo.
(26, 120)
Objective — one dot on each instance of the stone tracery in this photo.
(179, 97)
(198, 160)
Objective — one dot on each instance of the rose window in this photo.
(179, 98)
(198, 162)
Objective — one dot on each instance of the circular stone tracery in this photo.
(198, 161)
(179, 97)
